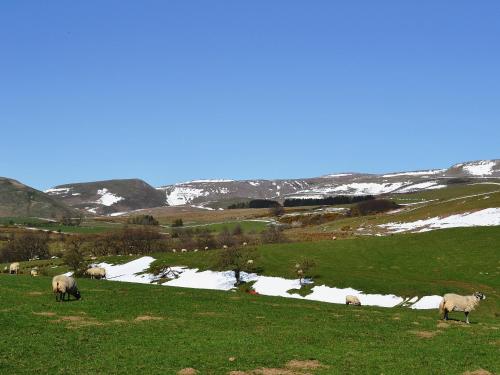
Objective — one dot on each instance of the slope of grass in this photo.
(120, 328)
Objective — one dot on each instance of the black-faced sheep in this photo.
(352, 300)
(62, 285)
(455, 302)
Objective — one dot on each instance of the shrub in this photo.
(143, 220)
(273, 234)
(373, 207)
(177, 223)
(26, 246)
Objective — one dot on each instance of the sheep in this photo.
(224, 247)
(96, 272)
(206, 247)
(34, 272)
(250, 261)
(455, 302)
(174, 251)
(195, 250)
(14, 268)
(183, 250)
(352, 300)
(62, 284)
(244, 244)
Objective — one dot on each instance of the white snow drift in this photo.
(486, 217)
(107, 198)
(266, 285)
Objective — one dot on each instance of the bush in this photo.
(373, 207)
(273, 234)
(238, 259)
(143, 220)
(26, 246)
(262, 203)
(177, 223)
(328, 201)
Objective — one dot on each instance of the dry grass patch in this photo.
(187, 371)
(480, 371)
(34, 293)
(74, 321)
(45, 313)
(144, 318)
(425, 334)
(442, 325)
(293, 367)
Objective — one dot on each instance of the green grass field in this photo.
(130, 328)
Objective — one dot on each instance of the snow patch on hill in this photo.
(416, 173)
(429, 185)
(480, 168)
(58, 191)
(107, 198)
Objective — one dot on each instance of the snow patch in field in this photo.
(480, 168)
(416, 173)
(128, 272)
(118, 213)
(486, 217)
(429, 185)
(427, 302)
(107, 198)
(266, 285)
(254, 183)
(218, 180)
(368, 188)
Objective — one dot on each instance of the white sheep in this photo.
(195, 250)
(250, 261)
(34, 271)
(244, 244)
(352, 300)
(183, 250)
(455, 302)
(62, 284)
(174, 251)
(206, 247)
(14, 268)
(96, 272)
(224, 247)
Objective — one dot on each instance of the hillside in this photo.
(108, 197)
(207, 192)
(17, 199)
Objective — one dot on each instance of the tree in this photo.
(273, 234)
(26, 246)
(238, 259)
(277, 210)
(177, 223)
(74, 254)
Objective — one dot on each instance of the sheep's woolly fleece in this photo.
(486, 217)
(134, 272)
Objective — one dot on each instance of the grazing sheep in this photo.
(250, 261)
(455, 302)
(14, 268)
(34, 272)
(224, 247)
(352, 300)
(244, 244)
(174, 251)
(195, 250)
(62, 284)
(96, 273)
(183, 250)
(334, 238)
(206, 247)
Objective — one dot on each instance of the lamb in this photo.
(62, 284)
(96, 272)
(244, 244)
(352, 300)
(174, 251)
(206, 247)
(14, 268)
(183, 250)
(34, 271)
(455, 302)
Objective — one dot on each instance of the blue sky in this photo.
(169, 91)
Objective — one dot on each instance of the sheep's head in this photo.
(479, 295)
(78, 295)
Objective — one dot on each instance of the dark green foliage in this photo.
(373, 207)
(329, 201)
(143, 220)
(262, 203)
(177, 223)
(74, 255)
(238, 259)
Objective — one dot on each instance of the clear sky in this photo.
(169, 91)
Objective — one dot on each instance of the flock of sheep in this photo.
(64, 286)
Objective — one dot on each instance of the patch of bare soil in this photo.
(45, 313)
(34, 293)
(442, 325)
(143, 318)
(73, 321)
(308, 364)
(477, 372)
(425, 334)
(187, 371)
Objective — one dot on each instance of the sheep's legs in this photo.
(467, 317)
(445, 314)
